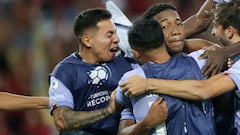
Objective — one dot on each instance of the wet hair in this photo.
(228, 14)
(156, 9)
(89, 18)
(145, 34)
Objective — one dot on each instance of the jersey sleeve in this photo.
(120, 97)
(59, 95)
(127, 114)
(195, 56)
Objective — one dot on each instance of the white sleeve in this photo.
(59, 94)
(195, 56)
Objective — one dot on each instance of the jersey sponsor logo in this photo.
(98, 98)
(98, 75)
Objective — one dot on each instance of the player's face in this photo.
(172, 29)
(220, 34)
(104, 41)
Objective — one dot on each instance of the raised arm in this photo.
(199, 21)
(14, 102)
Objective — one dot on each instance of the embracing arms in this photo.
(188, 89)
(156, 115)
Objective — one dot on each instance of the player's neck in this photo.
(87, 57)
(159, 56)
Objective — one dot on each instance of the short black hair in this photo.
(156, 9)
(145, 34)
(89, 18)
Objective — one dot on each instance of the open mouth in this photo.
(114, 50)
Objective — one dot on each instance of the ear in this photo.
(136, 54)
(86, 40)
(230, 31)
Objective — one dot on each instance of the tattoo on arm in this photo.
(67, 119)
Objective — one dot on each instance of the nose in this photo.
(116, 38)
(175, 30)
(213, 32)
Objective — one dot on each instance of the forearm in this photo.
(230, 50)
(67, 119)
(195, 44)
(14, 102)
(182, 89)
(199, 21)
(135, 129)
(193, 89)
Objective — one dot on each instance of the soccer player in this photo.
(184, 117)
(81, 84)
(226, 29)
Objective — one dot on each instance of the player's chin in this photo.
(110, 56)
(177, 49)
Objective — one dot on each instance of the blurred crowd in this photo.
(34, 36)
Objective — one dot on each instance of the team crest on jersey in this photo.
(98, 75)
(54, 85)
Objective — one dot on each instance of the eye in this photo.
(179, 24)
(164, 27)
(109, 34)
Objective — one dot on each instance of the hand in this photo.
(113, 105)
(215, 63)
(157, 113)
(134, 86)
(212, 47)
(230, 62)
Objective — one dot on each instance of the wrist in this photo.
(149, 87)
(145, 125)
(146, 85)
(226, 53)
(109, 110)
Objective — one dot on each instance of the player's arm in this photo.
(188, 89)
(156, 115)
(199, 21)
(14, 102)
(194, 89)
(195, 44)
(66, 118)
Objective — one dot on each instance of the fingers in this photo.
(128, 94)
(230, 62)
(207, 68)
(160, 100)
(203, 56)
(122, 84)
